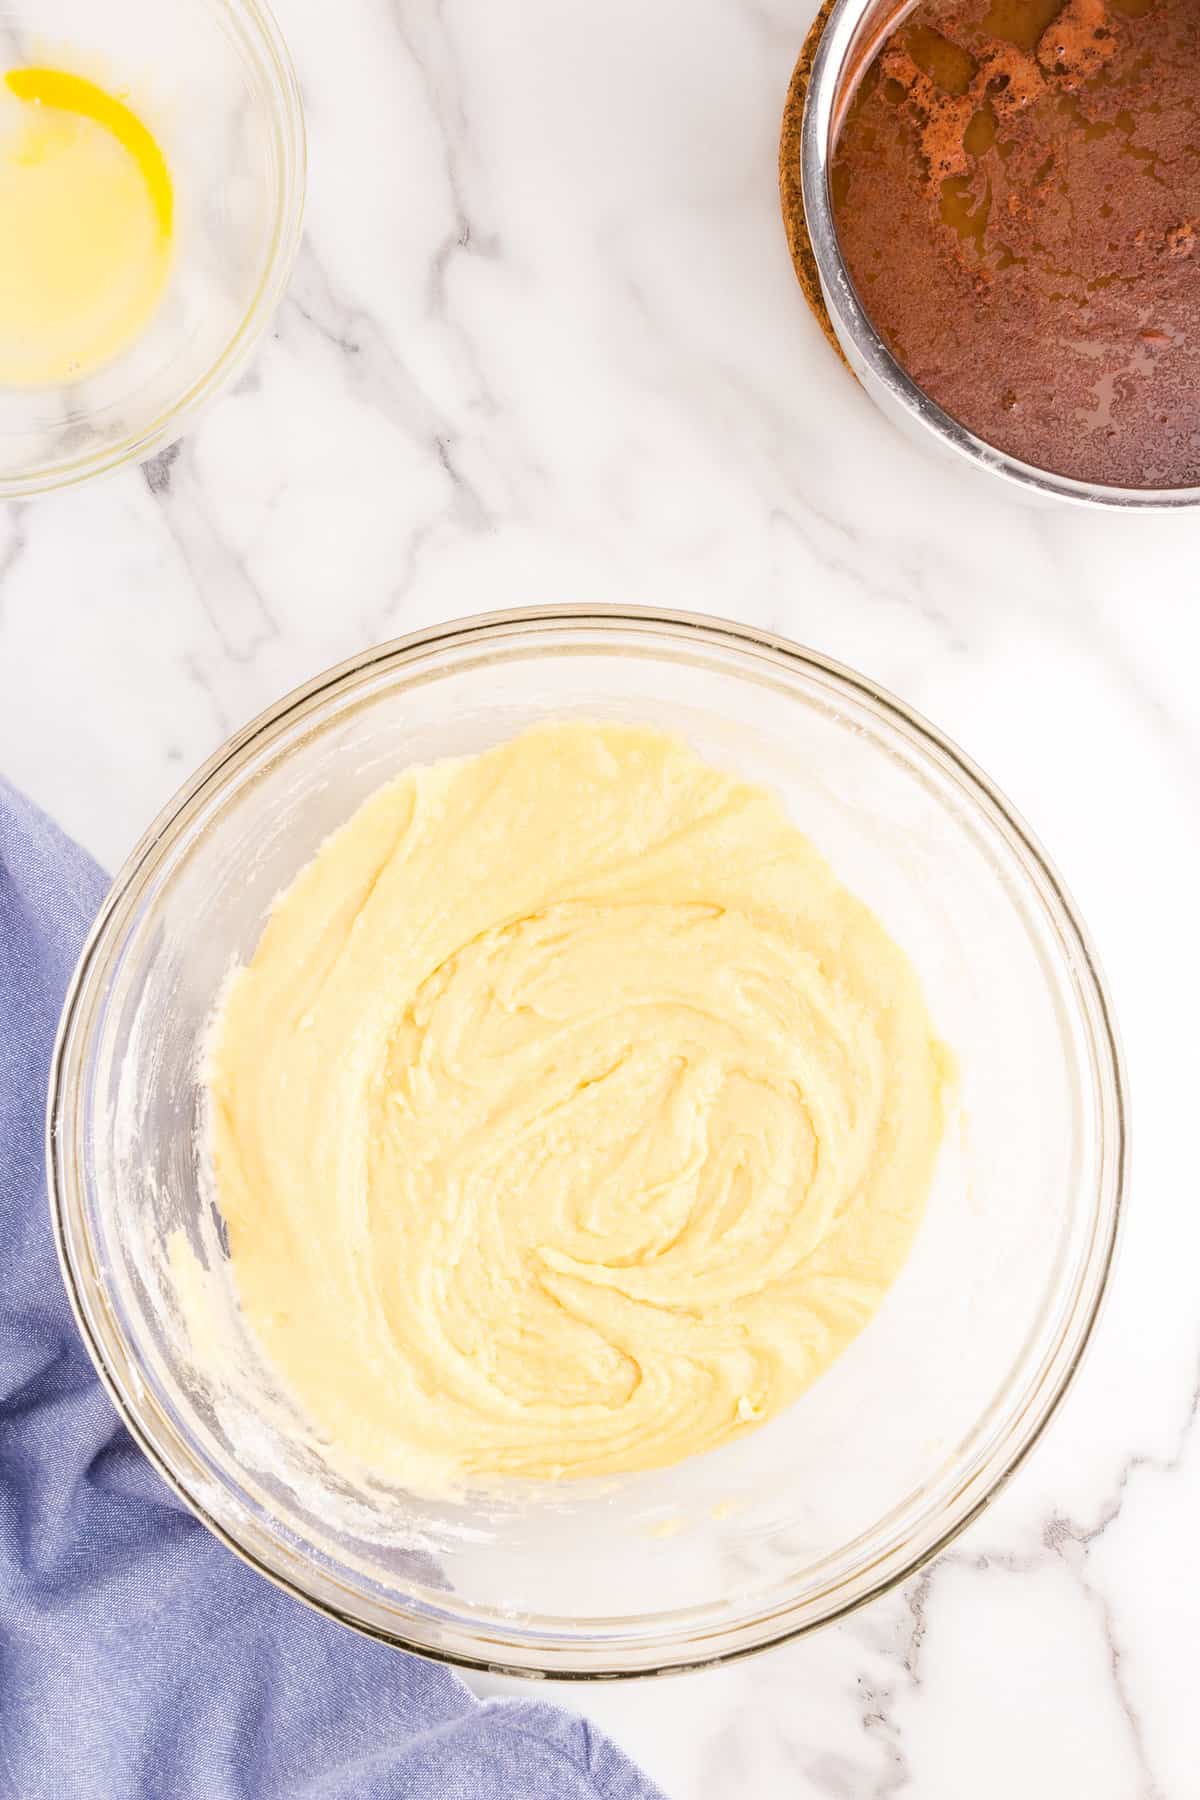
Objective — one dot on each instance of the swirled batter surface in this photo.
(570, 1117)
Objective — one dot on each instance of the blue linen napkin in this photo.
(140, 1659)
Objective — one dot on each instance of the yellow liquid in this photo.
(86, 226)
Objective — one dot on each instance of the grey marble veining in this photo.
(544, 343)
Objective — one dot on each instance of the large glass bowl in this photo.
(908, 1434)
(213, 81)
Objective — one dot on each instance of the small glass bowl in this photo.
(909, 1433)
(213, 81)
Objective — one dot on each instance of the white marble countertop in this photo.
(543, 343)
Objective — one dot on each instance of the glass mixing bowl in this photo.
(910, 1432)
(213, 81)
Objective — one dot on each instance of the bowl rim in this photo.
(1046, 1388)
(291, 149)
(885, 379)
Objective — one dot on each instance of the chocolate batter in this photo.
(1017, 194)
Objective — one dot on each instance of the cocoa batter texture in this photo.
(1016, 188)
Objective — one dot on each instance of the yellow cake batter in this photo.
(570, 1118)
(86, 222)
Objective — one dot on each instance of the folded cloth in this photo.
(139, 1659)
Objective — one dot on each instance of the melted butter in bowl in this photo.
(87, 222)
